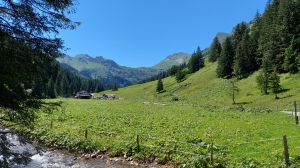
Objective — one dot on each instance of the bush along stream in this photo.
(17, 152)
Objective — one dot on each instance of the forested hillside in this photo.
(270, 43)
(62, 82)
(262, 53)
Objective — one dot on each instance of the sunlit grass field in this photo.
(174, 131)
(151, 127)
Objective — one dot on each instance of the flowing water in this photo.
(23, 154)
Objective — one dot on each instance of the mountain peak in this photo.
(174, 59)
(105, 68)
(82, 56)
(179, 57)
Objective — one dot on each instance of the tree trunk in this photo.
(233, 96)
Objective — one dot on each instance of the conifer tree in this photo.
(173, 70)
(292, 52)
(233, 88)
(98, 86)
(64, 87)
(160, 86)
(84, 85)
(114, 87)
(254, 36)
(292, 55)
(37, 89)
(180, 75)
(286, 25)
(29, 47)
(193, 64)
(244, 59)
(196, 61)
(275, 83)
(200, 57)
(268, 4)
(269, 37)
(263, 79)
(214, 50)
(71, 89)
(225, 61)
(50, 89)
(89, 86)
(57, 84)
(97, 89)
(238, 34)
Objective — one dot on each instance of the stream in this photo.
(23, 154)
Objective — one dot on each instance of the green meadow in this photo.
(203, 124)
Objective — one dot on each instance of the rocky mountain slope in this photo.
(109, 71)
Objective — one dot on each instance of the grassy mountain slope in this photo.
(204, 89)
(122, 75)
(174, 59)
(105, 68)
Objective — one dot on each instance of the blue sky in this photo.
(141, 33)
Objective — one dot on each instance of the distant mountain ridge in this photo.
(110, 72)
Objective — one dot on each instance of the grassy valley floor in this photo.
(150, 127)
(180, 133)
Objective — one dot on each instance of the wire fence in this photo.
(181, 146)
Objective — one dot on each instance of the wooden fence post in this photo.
(296, 117)
(86, 132)
(211, 154)
(138, 143)
(286, 151)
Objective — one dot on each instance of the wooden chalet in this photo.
(109, 96)
(83, 95)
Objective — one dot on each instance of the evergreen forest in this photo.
(270, 42)
(63, 83)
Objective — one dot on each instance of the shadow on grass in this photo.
(287, 96)
(242, 103)
(283, 90)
